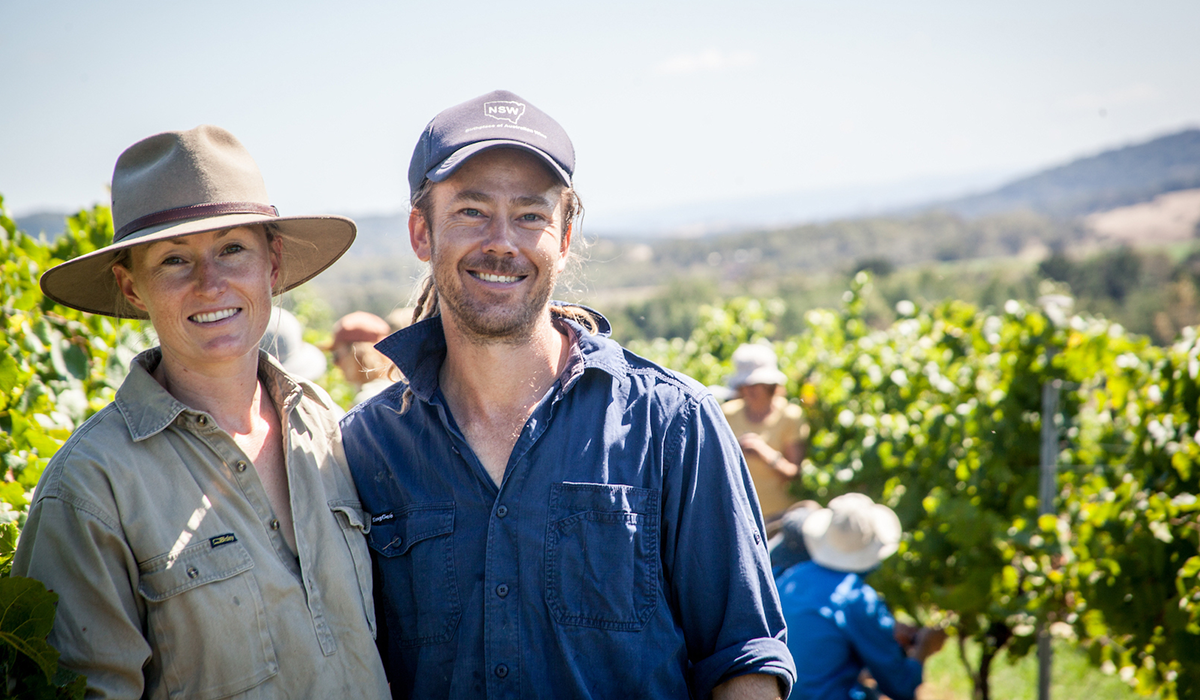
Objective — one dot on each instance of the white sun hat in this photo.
(853, 534)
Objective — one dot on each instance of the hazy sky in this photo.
(667, 103)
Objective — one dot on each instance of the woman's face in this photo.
(207, 294)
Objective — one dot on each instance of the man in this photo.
(551, 516)
(771, 432)
(353, 349)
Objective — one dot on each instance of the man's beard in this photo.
(484, 322)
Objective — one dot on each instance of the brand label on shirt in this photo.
(222, 539)
(382, 517)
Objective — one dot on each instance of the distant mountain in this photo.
(51, 223)
(1115, 178)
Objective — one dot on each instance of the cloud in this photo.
(709, 61)
(1120, 97)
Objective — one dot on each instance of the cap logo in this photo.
(504, 111)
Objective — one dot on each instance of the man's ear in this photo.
(419, 235)
(564, 248)
(127, 287)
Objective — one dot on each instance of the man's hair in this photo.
(426, 304)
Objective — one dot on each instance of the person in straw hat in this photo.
(837, 624)
(771, 431)
(202, 531)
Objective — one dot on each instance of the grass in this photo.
(1072, 676)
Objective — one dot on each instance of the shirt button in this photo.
(275, 523)
(193, 572)
(501, 671)
(502, 511)
(241, 465)
(202, 420)
(502, 590)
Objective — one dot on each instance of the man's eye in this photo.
(531, 217)
(472, 212)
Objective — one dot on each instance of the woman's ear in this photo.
(276, 253)
(126, 284)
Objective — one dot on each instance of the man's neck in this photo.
(492, 388)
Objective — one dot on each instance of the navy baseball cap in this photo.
(498, 119)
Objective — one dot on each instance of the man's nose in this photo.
(499, 237)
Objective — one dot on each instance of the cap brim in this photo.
(311, 244)
(452, 162)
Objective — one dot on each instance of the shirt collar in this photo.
(148, 408)
(419, 350)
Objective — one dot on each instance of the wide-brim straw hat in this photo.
(755, 364)
(181, 183)
(853, 534)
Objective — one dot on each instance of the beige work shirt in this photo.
(173, 578)
(784, 425)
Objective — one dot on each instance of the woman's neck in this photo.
(230, 392)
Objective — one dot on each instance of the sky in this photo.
(670, 105)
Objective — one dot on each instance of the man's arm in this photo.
(714, 555)
(753, 686)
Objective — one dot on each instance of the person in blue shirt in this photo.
(551, 515)
(840, 626)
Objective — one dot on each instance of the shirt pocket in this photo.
(206, 619)
(602, 564)
(414, 548)
(350, 517)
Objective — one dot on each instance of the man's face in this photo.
(496, 243)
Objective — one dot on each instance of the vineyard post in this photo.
(1047, 487)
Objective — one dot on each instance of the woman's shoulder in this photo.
(94, 458)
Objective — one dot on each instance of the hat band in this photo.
(194, 211)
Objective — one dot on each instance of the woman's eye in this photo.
(172, 260)
(234, 248)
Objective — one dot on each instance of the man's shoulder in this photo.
(622, 363)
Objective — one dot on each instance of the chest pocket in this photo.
(602, 564)
(206, 621)
(414, 553)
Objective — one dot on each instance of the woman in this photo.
(202, 531)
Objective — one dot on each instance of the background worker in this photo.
(353, 348)
(771, 431)
(838, 626)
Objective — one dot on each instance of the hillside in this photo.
(1114, 178)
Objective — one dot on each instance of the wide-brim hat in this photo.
(181, 183)
(853, 534)
(755, 364)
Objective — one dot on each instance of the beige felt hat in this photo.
(853, 534)
(180, 183)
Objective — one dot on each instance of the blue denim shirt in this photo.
(846, 627)
(622, 555)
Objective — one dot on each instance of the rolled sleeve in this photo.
(731, 616)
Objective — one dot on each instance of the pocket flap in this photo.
(353, 513)
(393, 533)
(210, 560)
(569, 498)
